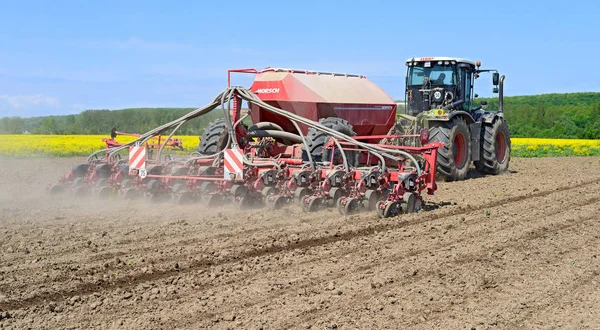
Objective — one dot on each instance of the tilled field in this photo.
(519, 250)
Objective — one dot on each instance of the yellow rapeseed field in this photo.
(82, 145)
(29, 145)
(537, 147)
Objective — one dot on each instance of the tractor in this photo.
(440, 98)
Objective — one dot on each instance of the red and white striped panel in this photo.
(137, 158)
(233, 164)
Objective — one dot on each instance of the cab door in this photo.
(466, 85)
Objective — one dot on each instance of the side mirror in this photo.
(495, 90)
(483, 102)
(495, 78)
(476, 96)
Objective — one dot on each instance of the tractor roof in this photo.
(439, 58)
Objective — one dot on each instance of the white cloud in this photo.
(23, 101)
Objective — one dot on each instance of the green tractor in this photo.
(440, 97)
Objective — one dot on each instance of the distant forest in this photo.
(574, 115)
(137, 120)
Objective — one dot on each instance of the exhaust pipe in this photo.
(501, 95)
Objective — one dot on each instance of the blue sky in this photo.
(60, 57)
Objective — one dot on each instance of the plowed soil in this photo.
(520, 250)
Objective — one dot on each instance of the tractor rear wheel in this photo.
(495, 148)
(214, 138)
(316, 140)
(454, 157)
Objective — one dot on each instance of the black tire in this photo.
(316, 140)
(455, 157)
(495, 148)
(400, 129)
(214, 138)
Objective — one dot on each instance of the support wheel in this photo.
(131, 194)
(275, 202)
(242, 202)
(56, 190)
(380, 209)
(238, 190)
(392, 209)
(352, 206)
(105, 192)
(184, 197)
(409, 201)
(311, 204)
(268, 191)
(372, 198)
(81, 192)
(299, 194)
(213, 200)
(334, 196)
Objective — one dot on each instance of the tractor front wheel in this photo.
(454, 157)
(214, 138)
(495, 148)
(317, 140)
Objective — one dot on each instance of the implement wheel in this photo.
(311, 204)
(348, 206)
(299, 194)
(184, 197)
(56, 190)
(392, 209)
(213, 200)
(380, 208)
(372, 199)
(242, 202)
(275, 202)
(105, 192)
(335, 194)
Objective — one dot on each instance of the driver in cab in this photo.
(440, 79)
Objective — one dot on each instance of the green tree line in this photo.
(573, 115)
(137, 120)
(568, 116)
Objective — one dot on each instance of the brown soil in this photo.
(520, 250)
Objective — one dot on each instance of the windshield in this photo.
(437, 74)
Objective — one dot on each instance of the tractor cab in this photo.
(441, 83)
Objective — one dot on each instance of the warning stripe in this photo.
(136, 151)
(232, 163)
(140, 162)
(238, 158)
(138, 158)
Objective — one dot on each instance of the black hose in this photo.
(275, 134)
(453, 105)
(265, 125)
